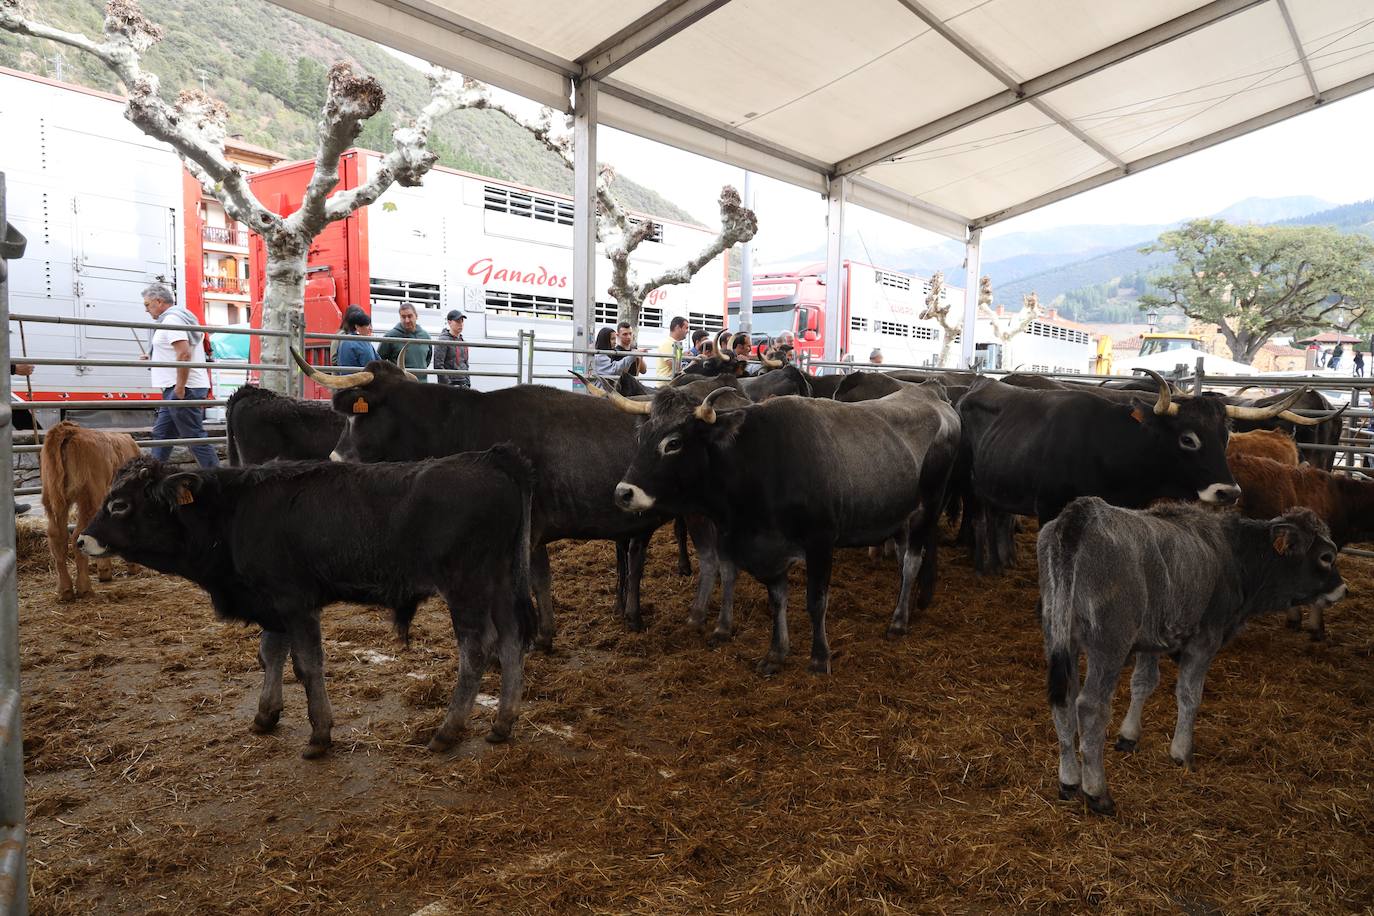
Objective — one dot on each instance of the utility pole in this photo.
(56, 61)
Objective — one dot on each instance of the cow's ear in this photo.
(727, 425)
(180, 489)
(1286, 537)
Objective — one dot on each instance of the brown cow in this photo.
(1268, 489)
(1264, 443)
(77, 466)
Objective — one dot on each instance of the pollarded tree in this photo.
(938, 308)
(194, 127)
(1254, 282)
(620, 233)
(1030, 310)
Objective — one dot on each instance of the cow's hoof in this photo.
(1068, 792)
(897, 630)
(544, 643)
(634, 624)
(499, 734)
(1185, 762)
(262, 725)
(819, 666)
(441, 742)
(1293, 623)
(1100, 804)
(315, 750)
(1318, 635)
(684, 568)
(66, 595)
(697, 622)
(718, 638)
(769, 666)
(1125, 745)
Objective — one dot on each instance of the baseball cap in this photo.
(455, 315)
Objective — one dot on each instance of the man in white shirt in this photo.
(677, 333)
(176, 342)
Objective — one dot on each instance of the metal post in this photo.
(968, 334)
(834, 279)
(746, 270)
(1197, 376)
(294, 372)
(584, 215)
(14, 882)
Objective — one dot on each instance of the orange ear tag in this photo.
(1137, 416)
(184, 497)
(1281, 543)
(360, 406)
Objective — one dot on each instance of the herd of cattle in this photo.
(460, 493)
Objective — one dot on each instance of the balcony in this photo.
(232, 286)
(225, 235)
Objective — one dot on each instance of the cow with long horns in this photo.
(578, 446)
(870, 471)
(1030, 452)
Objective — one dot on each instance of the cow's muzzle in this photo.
(90, 546)
(631, 498)
(1223, 494)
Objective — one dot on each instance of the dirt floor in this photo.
(652, 774)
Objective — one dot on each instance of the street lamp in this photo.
(1152, 317)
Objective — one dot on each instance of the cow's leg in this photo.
(272, 650)
(1193, 663)
(1144, 680)
(1066, 728)
(778, 648)
(708, 567)
(636, 552)
(57, 545)
(818, 565)
(307, 660)
(1094, 714)
(543, 596)
(911, 551)
(472, 663)
(512, 657)
(725, 621)
(86, 509)
(1318, 632)
(684, 561)
(1294, 616)
(621, 558)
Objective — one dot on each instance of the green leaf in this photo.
(388, 206)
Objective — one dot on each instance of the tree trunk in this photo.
(283, 307)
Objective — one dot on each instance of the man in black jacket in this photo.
(453, 357)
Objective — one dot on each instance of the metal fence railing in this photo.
(14, 882)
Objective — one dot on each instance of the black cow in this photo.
(1032, 452)
(794, 478)
(577, 445)
(261, 425)
(274, 544)
(1306, 430)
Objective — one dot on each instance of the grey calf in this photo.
(1176, 579)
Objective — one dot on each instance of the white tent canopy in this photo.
(1169, 360)
(948, 114)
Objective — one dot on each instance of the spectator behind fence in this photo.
(603, 363)
(356, 352)
(455, 358)
(697, 337)
(407, 329)
(677, 333)
(168, 344)
(876, 357)
(625, 342)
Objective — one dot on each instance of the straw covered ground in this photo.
(651, 774)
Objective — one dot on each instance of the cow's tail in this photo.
(1058, 545)
(52, 464)
(516, 466)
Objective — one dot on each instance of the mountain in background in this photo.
(268, 65)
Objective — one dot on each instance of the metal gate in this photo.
(14, 884)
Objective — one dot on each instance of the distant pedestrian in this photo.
(175, 342)
(1359, 364)
(359, 352)
(453, 357)
(1336, 354)
(407, 329)
(876, 357)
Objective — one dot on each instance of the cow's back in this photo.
(1264, 443)
(78, 463)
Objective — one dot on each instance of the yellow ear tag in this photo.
(184, 497)
(360, 406)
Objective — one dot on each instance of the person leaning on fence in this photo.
(625, 342)
(169, 344)
(360, 352)
(455, 357)
(677, 333)
(605, 364)
(408, 328)
(697, 337)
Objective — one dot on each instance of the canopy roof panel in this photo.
(951, 114)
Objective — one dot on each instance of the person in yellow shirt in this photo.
(677, 333)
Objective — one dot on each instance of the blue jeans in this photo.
(183, 423)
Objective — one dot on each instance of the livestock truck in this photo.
(880, 309)
(499, 252)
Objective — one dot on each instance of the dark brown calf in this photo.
(1269, 489)
(77, 466)
(1264, 443)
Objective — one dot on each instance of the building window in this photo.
(533, 206)
(706, 321)
(858, 324)
(892, 329)
(921, 333)
(527, 305)
(650, 316)
(400, 292)
(896, 281)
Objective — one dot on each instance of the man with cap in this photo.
(452, 357)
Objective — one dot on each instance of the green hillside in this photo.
(268, 66)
